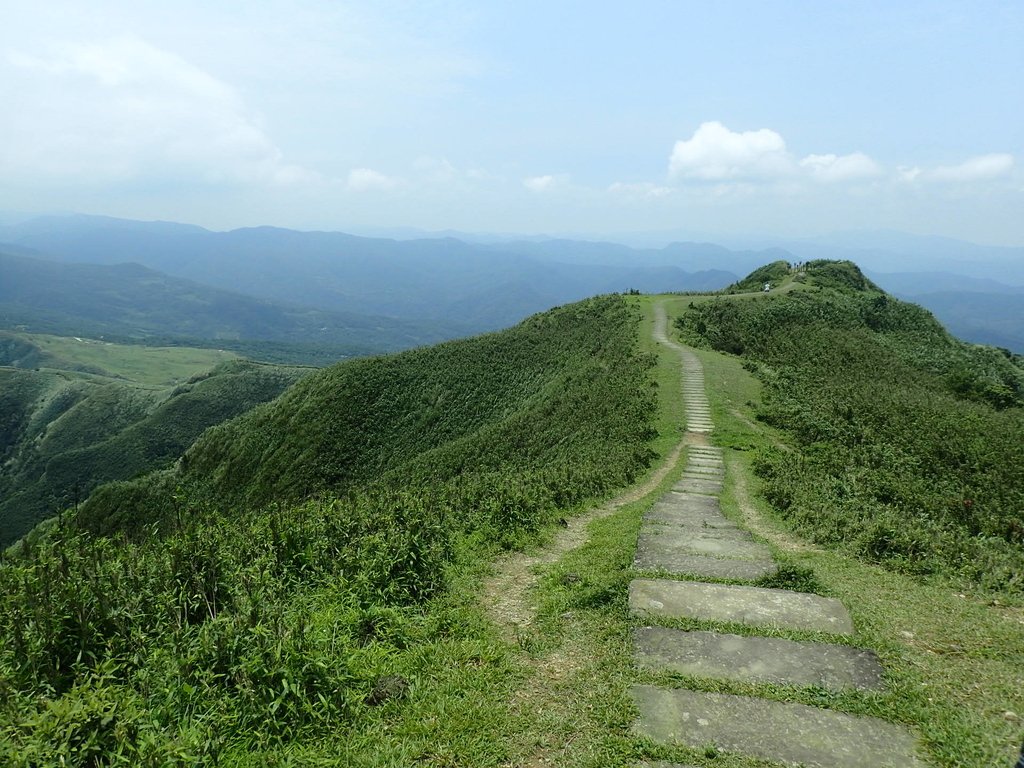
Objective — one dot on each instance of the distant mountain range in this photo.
(464, 287)
(376, 293)
(134, 302)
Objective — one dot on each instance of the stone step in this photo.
(705, 468)
(685, 501)
(755, 606)
(716, 542)
(703, 566)
(686, 518)
(757, 659)
(663, 535)
(705, 458)
(793, 734)
(699, 485)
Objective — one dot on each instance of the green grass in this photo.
(952, 652)
(668, 381)
(558, 692)
(245, 633)
(62, 433)
(154, 366)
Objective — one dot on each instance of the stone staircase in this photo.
(684, 539)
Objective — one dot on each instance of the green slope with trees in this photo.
(265, 591)
(909, 442)
(303, 586)
(76, 413)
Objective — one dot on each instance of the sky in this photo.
(774, 117)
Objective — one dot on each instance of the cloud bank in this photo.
(715, 153)
(122, 109)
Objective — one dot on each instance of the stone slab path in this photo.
(686, 535)
(757, 659)
(792, 734)
(732, 603)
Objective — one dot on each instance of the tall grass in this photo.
(183, 614)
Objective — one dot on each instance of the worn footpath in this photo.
(686, 548)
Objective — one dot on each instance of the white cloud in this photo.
(981, 168)
(123, 109)
(715, 153)
(541, 183)
(908, 173)
(836, 168)
(642, 189)
(369, 180)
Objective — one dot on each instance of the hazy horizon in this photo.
(777, 121)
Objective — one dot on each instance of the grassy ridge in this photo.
(244, 628)
(64, 433)
(454, 411)
(910, 443)
(157, 366)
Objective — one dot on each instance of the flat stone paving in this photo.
(794, 734)
(706, 473)
(687, 501)
(711, 487)
(718, 542)
(686, 518)
(704, 566)
(757, 659)
(755, 606)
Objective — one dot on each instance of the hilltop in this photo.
(311, 581)
(908, 442)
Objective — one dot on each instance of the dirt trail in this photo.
(506, 592)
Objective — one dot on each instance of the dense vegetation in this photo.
(223, 613)
(63, 432)
(910, 444)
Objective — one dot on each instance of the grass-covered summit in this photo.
(910, 443)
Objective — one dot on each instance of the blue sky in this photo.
(777, 118)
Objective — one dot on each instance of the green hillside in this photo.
(909, 443)
(129, 302)
(75, 413)
(143, 365)
(243, 619)
(323, 580)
